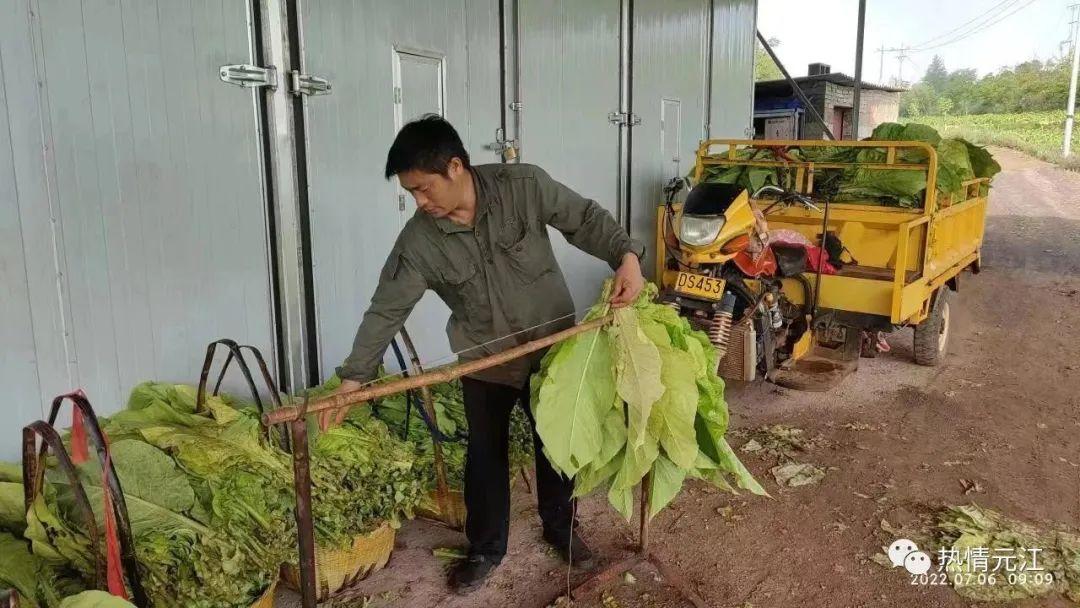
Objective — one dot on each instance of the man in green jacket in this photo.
(482, 245)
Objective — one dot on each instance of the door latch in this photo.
(305, 84)
(249, 76)
(507, 148)
(624, 119)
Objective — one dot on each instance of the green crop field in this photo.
(1037, 133)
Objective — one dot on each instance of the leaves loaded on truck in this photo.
(958, 160)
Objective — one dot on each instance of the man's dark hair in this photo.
(426, 144)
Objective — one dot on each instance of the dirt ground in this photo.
(896, 441)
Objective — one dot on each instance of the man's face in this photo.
(436, 195)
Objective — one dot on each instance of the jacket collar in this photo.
(482, 203)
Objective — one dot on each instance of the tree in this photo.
(764, 67)
(936, 75)
(919, 100)
(1026, 87)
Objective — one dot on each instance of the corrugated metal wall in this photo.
(565, 104)
(355, 215)
(133, 218)
(734, 28)
(670, 46)
(130, 188)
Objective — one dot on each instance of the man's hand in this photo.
(628, 281)
(331, 418)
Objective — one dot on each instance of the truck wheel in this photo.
(932, 335)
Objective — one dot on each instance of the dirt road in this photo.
(896, 438)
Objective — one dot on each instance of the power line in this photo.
(983, 15)
(979, 29)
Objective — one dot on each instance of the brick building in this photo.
(779, 113)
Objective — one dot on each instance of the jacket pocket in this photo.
(529, 256)
(457, 285)
(463, 291)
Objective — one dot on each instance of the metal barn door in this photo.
(135, 179)
(732, 99)
(670, 44)
(569, 71)
(389, 62)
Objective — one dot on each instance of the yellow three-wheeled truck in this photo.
(749, 268)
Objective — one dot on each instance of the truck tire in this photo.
(932, 335)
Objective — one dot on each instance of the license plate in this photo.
(699, 286)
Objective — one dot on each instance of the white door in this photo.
(418, 91)
(670, 138)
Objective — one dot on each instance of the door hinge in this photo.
(397, 94)
(250, 76)
(306, 84)
(624, 119)
(401, 202)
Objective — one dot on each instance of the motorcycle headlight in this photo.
(698, 231)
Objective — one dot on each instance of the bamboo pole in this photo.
(643, 532)
(290, 413)
(442, 488)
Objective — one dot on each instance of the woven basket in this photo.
(336, 569)
(453, 515)
(266, 600)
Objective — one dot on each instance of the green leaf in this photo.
(707, 470)
(12, 507)
(19, 569)
(583, 384)
(982, 163)
(614, 435)
(888, 131)
(573, 399)
(10, 472)
(53, 541)
(95, 599)
(954, 167)
(590, 477)
(672, 420)
(148, 473)
(919, 132)
(731, 464)
(712, 410)
(637, 371)
(667, 479)
(636, 462)
(147, 513)
(623, 501)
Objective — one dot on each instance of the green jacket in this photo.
(499, 278)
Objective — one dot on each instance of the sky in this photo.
(824, 31)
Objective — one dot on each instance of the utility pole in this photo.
(881, 64)
(856, 99)
(901, 55)
(1070, 109)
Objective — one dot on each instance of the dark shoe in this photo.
(576, 552)
(471, 572)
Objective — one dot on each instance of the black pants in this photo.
(487, 472)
